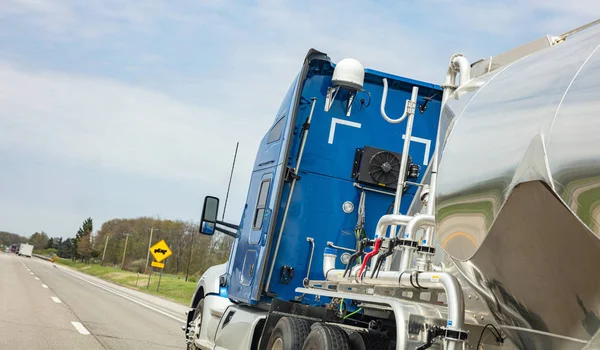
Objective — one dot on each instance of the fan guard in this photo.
(384, 168)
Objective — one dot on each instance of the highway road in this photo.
(44, 306)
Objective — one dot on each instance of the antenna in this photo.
(230, 177)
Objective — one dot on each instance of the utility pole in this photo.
(230, 177)
(191, 252)
(105, 244)
(149, 245)
(125, 250)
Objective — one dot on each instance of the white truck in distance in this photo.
(25, 250)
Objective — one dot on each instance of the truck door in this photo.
(261, 188)
(247, 265)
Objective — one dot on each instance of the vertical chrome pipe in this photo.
(404, 160)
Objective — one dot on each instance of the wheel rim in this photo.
(277, 345)
(197, 323)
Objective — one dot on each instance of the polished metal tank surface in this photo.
(518, 197)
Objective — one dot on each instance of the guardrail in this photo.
(41, 257)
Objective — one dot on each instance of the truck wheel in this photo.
(197, 321)
(289, 334)
(326, 337)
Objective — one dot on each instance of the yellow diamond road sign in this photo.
(160, 251)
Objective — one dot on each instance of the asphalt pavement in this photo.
(46, 306)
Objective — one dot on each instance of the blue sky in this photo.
(124, 109)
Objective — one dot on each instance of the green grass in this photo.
(171, 287)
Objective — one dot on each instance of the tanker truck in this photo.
(389, 213)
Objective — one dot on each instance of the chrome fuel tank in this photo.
(518, 197)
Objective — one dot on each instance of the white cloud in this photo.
(114, 125)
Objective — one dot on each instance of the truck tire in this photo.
(367, 341)
(198, 318)
(289, 334)
(326, 337)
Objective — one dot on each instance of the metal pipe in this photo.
(390, 219)
(407, 256)
(330, 244)
(417, 222)
(579, 29)
(404, 160)
(449, 87)
(430, 233)
(410, 233)
(312, 252)
(382, 225)
(289, 199)
(372, 189)
(460, 64)
(329, 261)
(382, 107)
(418, 280)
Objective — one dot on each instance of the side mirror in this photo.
(210, 212)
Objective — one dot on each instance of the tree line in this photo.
(7, 238)
(188, 245)
(107, 245)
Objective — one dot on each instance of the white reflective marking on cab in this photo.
(335, 121)
(427, 144)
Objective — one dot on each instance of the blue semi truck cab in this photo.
(348, 149)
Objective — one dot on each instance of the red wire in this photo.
(368, 256)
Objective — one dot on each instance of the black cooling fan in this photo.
(384, 168)
(374, 166)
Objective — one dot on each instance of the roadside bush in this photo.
(193, 279)
(137, 266)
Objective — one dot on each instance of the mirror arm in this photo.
(227, 232)
(226, 224)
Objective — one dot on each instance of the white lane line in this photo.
(45, 286)
(56, 300)
(31, 273)
(126, 297)
(37, 278)
(80, 328)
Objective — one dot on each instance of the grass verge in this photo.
(171, 287)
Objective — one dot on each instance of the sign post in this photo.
(160, 251)
(160, 276)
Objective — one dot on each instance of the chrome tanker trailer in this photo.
(487, 237)
(518, 191)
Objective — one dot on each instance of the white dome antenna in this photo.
(348, 74)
